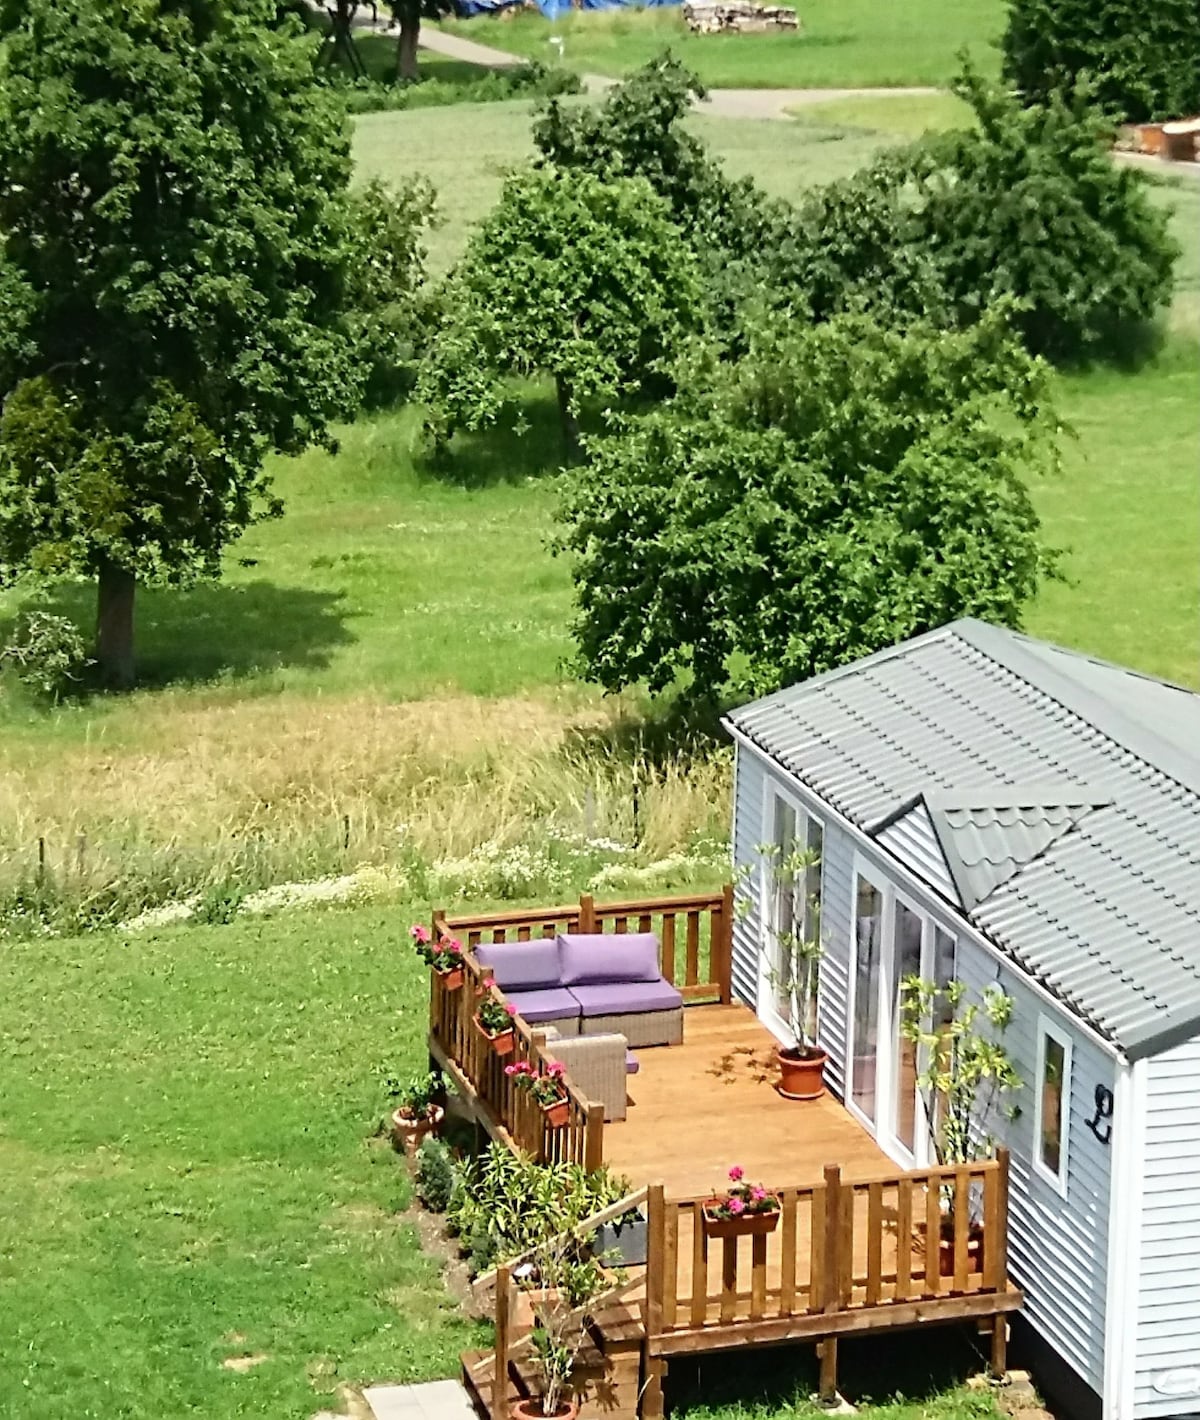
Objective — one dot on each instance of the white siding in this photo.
(912, 839)
(748, 832)
(1058, 1247)
(1168, 1298)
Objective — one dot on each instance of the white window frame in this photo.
(774, 791)
(1049, 1029)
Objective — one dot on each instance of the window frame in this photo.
(1048, 1029)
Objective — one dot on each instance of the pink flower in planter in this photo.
(556, 1070)
(736, 1206)
(418, 933)
(449, 944)
(512, 1069)
(737, 1173)
(510, 1008)
(758, 1194)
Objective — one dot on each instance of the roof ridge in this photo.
(1007, 649)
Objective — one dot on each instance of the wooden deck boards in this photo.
(699, 1107)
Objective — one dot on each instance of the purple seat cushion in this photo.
(553, 1004)
(632, 1065)
(521, 966)
(626, 998)
(592, 959)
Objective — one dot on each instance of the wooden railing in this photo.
(695, 933)
(478, 1073)
(843, 1252)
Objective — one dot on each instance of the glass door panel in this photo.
(907, 948)
(783, 910)
(868, 962)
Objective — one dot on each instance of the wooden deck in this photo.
(697, 1108)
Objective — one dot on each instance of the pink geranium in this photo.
(737, 1173)
(736, 1206)
(419, 933)
(742, 1198)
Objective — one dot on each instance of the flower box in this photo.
(557, 1112)
(744, 1225)
(451, 979)
(503, 1042)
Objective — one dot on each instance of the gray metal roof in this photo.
(1064, 792)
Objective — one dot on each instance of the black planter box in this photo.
(623, 1243)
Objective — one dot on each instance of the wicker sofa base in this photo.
(641, 1028)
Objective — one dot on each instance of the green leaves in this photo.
(1144, 59)
(839, 488)
(576, 277)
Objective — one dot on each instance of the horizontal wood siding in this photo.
(748, 832)
(1168, 1301)
(1058, 1247)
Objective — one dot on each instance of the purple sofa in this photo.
(586, 984)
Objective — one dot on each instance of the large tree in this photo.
(582, 279)
(175, 239)
(1142, 55)
(841, 487)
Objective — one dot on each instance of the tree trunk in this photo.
(570, 424)
(115, 589)
(406, 49)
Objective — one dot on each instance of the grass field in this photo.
(187, 1173)
(841, 43)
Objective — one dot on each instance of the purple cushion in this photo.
(632, 1065)
(521, 966)
(555, 1004)
(624, 998)
(588, 960)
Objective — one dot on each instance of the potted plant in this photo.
(417, 1112)
(443, 955)
(965, 1076)
(743, 1208)
(793, 967)
(494, 1019)
(546, 1088)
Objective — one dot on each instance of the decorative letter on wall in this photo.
(1101, 1122)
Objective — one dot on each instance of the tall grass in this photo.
(445, 797)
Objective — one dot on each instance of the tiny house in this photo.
(989, 808)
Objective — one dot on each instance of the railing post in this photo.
(834, 1262)
(656, 1256)
(500, 1374)
(725, 959)
(1000, 1223)
(587, 912)
(593, 1139)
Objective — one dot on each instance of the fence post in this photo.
(500, 1373)
(593, 1138)
(656, 1250)
(587, 912)
(1001, 1223)
(832, 1269)
(725, 970)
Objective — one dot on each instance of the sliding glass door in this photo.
(792, 911)
(893, 940)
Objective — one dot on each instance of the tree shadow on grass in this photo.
(223, 630)
(526, 444)
(654, 732)
(873, 1369)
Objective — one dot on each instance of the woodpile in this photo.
(710, 17)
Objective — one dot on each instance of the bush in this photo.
(520, 81)
(1143, 57)
(1028, 205)
(435, 1174)
(47, 654)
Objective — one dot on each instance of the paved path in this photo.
(435, 1400)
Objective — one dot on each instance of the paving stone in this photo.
(432, 1400)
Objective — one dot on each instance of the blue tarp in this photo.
(553, 9)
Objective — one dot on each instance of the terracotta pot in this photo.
(557, 1113)
(946, 1248)
(451, 980)
(531, 1409)
(801, 1073)
(407, 1133)
(503, 1042)
(747, 1225)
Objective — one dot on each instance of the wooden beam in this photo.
(888, 1317)
(500, 1374)
(828, 1352)
(999, 1359)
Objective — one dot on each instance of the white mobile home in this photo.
(992, 808)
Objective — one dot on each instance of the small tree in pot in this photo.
(417, 1111)
(794, 952)
(964, 1075)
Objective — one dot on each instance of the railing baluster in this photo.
(874, 1243)
(670, 1264)
(699, 1266)
(992, 1281)
(816, 1249)
(787, 1262)
(729, 1273)
(904, 1238)
(962, 1224)
(668, 947)
(758, 1276)
(933, 1235)
(693, 948)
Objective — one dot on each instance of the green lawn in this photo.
(187, 1173)
(841, 43)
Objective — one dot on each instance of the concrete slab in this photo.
(431, 1400)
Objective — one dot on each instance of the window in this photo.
(868, 963)
(795, 905)
(1051, 1104)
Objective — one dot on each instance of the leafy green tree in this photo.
(408, 15)
(582, 279)
(1144, 58)
(840, 488)
(1026, 204)
(176, 244)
